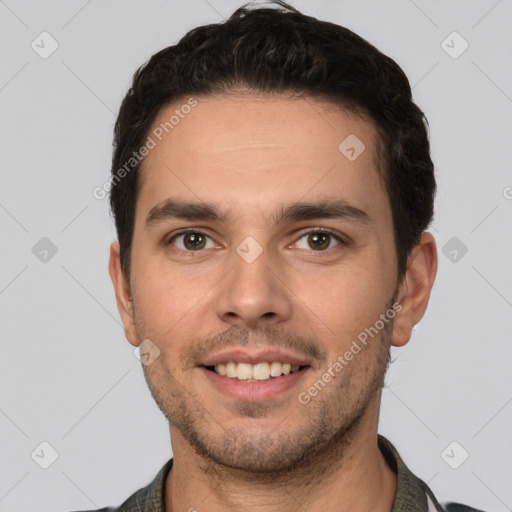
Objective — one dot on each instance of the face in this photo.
(259, 246)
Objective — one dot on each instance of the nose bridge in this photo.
(252, 295)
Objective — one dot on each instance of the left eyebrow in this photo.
(339, 209)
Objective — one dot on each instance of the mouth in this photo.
(259, 372)
(255, 375)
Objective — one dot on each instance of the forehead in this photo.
(259, 149)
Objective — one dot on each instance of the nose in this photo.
(254, 293)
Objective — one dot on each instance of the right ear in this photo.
(122, 291)
(414, 291)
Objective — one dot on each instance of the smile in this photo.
(254, 372)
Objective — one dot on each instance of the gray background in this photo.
(69, 378)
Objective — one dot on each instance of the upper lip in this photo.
(254, 357)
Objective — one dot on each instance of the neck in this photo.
(352, 474)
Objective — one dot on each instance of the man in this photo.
(271, 188)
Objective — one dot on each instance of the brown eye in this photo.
(319, 240)
(194, 241)
(191, 241)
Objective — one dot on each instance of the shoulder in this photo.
(135, 503)
(147, 499)
(413, 493)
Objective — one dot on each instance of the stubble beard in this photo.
(311, 436)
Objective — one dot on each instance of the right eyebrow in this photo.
(171, 209)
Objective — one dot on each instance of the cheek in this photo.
(168, 300)
(349, 301)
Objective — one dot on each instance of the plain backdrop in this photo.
(68, 377)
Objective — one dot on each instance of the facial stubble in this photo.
(320, 430)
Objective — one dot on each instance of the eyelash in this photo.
(321, 231)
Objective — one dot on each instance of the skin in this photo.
(251, 156)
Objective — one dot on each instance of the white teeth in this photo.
(275, 369)
(230, 369)
(244, 371)
(260, 371)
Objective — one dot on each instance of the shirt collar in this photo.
(152, 496)
(411, 492)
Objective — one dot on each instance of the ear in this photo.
(122, 290)
(414, 290)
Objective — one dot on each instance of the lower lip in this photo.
(254, 391)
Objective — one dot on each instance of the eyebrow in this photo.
(185, 210)
(171, 209)
(338, 209)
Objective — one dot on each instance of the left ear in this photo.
(414, 290)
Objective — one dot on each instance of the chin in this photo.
(257, 455)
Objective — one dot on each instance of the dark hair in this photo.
(280, 50)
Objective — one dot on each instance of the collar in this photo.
(411, 492)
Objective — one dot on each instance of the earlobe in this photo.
(123, 293)
(415, 288)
